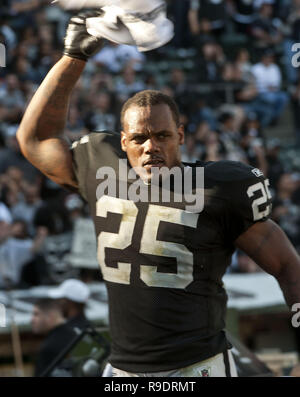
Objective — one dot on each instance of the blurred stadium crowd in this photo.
(229, 69)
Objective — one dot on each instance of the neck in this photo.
(73, 312)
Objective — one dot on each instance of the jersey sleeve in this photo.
(92, 151)
(248, 199)
(80, 161)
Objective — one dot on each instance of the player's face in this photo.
(151, 138)
(38, 321)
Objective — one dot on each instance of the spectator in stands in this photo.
(150, 80)
(268, 83)
(213, 147)
(210, 63)
(25, 209)
(253, 144)
(13, 175)
(24, 70)
(286, 208)
(243, 14)
(48, 320)
(229, 138)
(194, 148)
(115, 56)
(238, 93)
(52, 214)
(201, 111)
(208, 71)
(11, 156)
(75, 206)
(73, 295)
(231, 84)
(19, 229)
(15, 252)
(5, 221)
(101, 116)
(10, 186)
(188, 150)
(24, 12)
(246, 95)
(11, 100)
(128, 84)
(45, 59)
(266, 30)
(7, 34)
(202, 34)
(27, 50)
(178, 11)
(100, 81)
(211, 11)
(208, 144)
(243, 65)
(35, 271)
(292, 36)
(181, 89)
(275, 164)
(295, 102)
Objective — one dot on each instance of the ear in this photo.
(123, 141)
(181, 134)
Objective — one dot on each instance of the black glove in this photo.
(78, 43)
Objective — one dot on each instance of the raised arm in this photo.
(193, 21)
(269, 247)
(41, 132)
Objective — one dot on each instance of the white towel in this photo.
(150, 29)
(109, 26)
(138, 6)
(132, 22)
(127, 5)
(80, 4)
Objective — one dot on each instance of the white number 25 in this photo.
(149, 243)
(265, 195)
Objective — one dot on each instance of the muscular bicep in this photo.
(268, 246)
(40, 133)
(53, 158)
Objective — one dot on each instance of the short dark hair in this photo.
(225, 117)
(151, 98)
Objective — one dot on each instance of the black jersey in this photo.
(163, 265)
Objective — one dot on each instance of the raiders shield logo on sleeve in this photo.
(257, 172)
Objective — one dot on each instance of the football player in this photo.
(163, 264)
